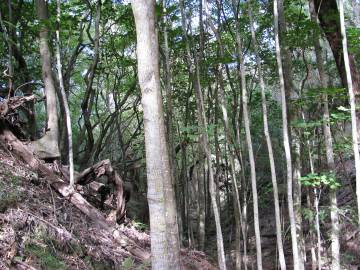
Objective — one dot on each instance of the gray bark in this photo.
(329, 155)
(169, 122)
(295, 135)
(294, 240)
(248, 140)
(335, 226)
(165, 246)
(47, 147)
(64, 98)
(223, 105)
(194, 73)
(269, 146)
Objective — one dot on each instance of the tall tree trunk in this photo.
(10, 41)
(315, 238)
(88, 100)
(195, 74)
(47, 147)
(165, 246)
(203, 169)
(236, 196)
(295, 135)
(223, 105)
(294, 240)
(335, 243)
(169, 121)
(64, 97)
(269, 146)
(248, 140)
(351, 87)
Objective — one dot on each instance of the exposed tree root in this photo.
(103, 168)
(9, 106)
(21, 150)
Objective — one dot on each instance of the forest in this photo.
(190, 134)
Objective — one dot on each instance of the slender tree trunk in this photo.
(269, 146)
(294, 241)
(315, 238)
(248, 141)
(217, 146)
(165, 246)
(206, 149)
(198, 88)
(10, 41)
(311, 235)
(314, 259)
(295, 136)
(349, 80)
(252, 166)
(169, 122)
(88, 100)
(317, 226)
(201, 176)
(335, 243)
(47, 147)
(236, 196)
(223, 105)
(243, 187)
(64, 97)
(194, 73)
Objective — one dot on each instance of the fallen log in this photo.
(10, 105)
(103, 168)
(22, 151)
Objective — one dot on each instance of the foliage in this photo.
(316, 180)
(128, 263)
(45, 257)
(10, 191)
(140, 226)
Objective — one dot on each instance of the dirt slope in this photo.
(39, 229)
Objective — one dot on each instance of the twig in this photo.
(23, 265)
(53, 203)
(58, 229)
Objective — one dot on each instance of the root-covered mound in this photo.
(42, 229)
(39, 228)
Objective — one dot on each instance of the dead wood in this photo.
(103, 168)
(7, 138)
(4, 108)
(9, 106)
(22, 265)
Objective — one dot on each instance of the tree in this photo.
(352, 91)
(223, 104)
(249, 143)
(194, 72)
(268, 143)
(64, 97)
(335, 244)
(329, 19)
(289, 173)
(47, 147)
(165, 245)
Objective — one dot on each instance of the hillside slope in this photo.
(39, 229)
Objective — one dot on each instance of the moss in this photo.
(128, 264)
(10, 194)
(44, 257)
